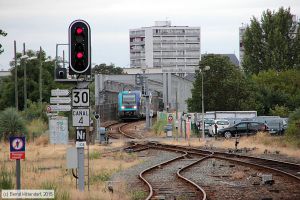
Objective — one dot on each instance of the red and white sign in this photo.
(170, 119)
(17, 155)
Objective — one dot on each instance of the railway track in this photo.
(286, 174)
(117, 131)
(290, 169)
(164, 180)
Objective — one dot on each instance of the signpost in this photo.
(80, 118)
(17, 152)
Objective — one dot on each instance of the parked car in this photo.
(207, 124)
(217, 125)
(243, 128)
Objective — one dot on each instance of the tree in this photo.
(272, 43)
(3, 34)
(7, 94)
(225, 87)
(11, 122)
(107, 69)
(278, 92)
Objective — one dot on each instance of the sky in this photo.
(45, 23)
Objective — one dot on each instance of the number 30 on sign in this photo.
(81, 117)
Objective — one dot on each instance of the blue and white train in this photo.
(131, 104)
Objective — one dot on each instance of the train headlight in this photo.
(123, 107)
(134, 107)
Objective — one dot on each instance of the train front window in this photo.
(129, 99)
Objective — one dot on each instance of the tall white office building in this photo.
(171, 48)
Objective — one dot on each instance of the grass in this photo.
(138, 195)
(260, 142)
(95, 155)
(45, 168)
(6, 181)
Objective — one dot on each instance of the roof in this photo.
(4, 73)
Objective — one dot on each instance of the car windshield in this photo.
(128, 98)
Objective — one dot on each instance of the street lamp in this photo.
(206, 68)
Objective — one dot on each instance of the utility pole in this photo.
(147, 100)
(25, 80)
(176, 115)
(16, 76)
(40, 77)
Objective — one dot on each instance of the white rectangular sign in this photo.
(60, 100)
(81, 117)
(59, 92)
(56, 108)
(58, 130)
(80, 144)
(80, 97)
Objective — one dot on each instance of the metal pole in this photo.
(80, 160)
(64, 58)
(203, 124)
(147, 106)
(176, 115)
(16, 76)
(25, 80)
(40, 77)
(18, 174)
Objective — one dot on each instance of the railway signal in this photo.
(79, 48)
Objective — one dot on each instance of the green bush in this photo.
(159, 125)
(11, 122)
(6, 181)
(293, 132)
(35, 110)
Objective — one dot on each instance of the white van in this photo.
(219, 124)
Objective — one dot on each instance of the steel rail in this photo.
(190, 181)
(153, 167)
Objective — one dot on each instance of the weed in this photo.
(64, 195)
(103, 176)
(50, 186)
(6, 181)
(138, 194)
(95, 155)
(159, 125)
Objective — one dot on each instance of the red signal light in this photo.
(79, 55)
(79, 31)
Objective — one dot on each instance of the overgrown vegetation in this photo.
(11, 122)
(293, 131)
(6, 177)
(138, 194)
(158, 126)
(95, 155)
(102, 176)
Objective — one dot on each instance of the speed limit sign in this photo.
(80, 97)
